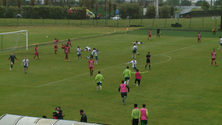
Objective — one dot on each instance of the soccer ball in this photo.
(46, 36)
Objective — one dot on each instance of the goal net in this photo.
(14, 40)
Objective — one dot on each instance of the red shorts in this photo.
(66, 53)
(36, 54)
(198, 38)
(55, 47)
(213, 59)
(149, 35)
(90, 67)
(214, 31)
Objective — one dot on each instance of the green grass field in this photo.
(181, 89)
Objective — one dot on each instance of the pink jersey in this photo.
(68, 43)
(55, 42)
(213, 54)
(66, 49)
(123, 88)
(91, 63)
(143, 114)
(150, 32)
(198, 35)
(138, 76)
(36, 49)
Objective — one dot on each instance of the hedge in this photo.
(134, 11)
(38, 12)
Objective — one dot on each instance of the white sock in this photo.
(135, 56)
(127, 82)
(124, 82)
(132, 56)
(97, 88)
(96, 61)
(137, 52)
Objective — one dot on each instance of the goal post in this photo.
(14, 40)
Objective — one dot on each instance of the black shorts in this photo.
(12, 61)
(123, 94)
(148, 61)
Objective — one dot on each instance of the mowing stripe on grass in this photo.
(110, 67)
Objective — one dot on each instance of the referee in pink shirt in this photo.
(144, 115)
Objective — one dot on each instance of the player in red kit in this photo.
(199, 38)
(66, 52)
(91, 62)
(36, 52)
(55, 45)
(69, 44)
(213, 54)
(150, 35)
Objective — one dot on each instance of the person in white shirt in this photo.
(220, 43)
(79, 53)
(134, 63)
(26, 63)
(94, 52)
(134, 51)
(87, 48)
(137, 42)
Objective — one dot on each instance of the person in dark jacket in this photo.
(58, 114)
(83, 118)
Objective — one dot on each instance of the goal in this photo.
(14, 40)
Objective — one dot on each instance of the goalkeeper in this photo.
(12, 57)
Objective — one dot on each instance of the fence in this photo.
(193, 23)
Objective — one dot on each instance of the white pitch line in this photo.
(106, 68)
(164, 61)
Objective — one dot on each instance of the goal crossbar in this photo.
(21, 31)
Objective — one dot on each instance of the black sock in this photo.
(149, 66)
(145, 66)
(11, 66)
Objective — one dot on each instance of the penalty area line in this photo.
(111, 67)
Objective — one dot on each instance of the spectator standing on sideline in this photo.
(144, 115)
(135, 116)
(58, 114)
(83, 118)
(158, 32)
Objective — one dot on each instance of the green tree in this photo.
(185, 3)
(165, 11)
(205, 5)
(87, 4)
(151, 11)
(114, 8)
(172, 2)
(96, 7)
(4, 2)
(172, 8)
(19, 3)
(46, 2)
(198, 3)
(32, 2)
(134, 11)
(109, 3)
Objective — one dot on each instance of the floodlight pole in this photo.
(27, 43)
(157, 8)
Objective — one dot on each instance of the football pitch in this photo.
(181, 89)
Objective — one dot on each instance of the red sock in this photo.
(215, 63)
(55, 51)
